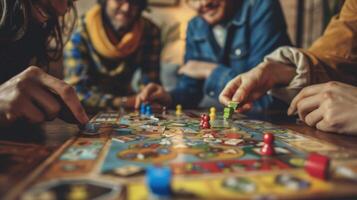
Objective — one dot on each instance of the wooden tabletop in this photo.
(24, 147)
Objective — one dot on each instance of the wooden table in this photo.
(24, 147)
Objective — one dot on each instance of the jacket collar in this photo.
(241, 16)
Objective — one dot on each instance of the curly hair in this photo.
(16, 19)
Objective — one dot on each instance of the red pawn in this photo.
(202, 120)
(206, 118)
(268, 147)
(317, 166)
(206, 125)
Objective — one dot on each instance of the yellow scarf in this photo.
(128, 44)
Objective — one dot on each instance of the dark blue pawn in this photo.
(148, 110)
(143, 108)
(159, 181)
(91, 129)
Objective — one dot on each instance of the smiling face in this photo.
(215, 11)
(122, 14)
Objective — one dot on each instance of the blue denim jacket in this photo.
(256, 30)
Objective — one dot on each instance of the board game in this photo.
(109, 159)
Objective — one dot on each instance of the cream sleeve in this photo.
(293, 57)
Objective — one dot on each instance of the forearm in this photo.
(282, 74)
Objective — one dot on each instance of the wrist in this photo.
(210, 69)
(282, 74)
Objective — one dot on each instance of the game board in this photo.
(221, 162)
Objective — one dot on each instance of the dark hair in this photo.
(16, 21)
(143, 4)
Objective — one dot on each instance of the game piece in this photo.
(78, 192)
(268, 147)
(317, 165)
(159, 181)
(148, 110)
(206, 118)
(178, 110)
(212, 113)
(204, 124)
(234, 105)
(143, 108)
(227, 113)
(164, 111)
(202, 120)
(91, 129)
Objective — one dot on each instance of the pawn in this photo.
(268, 147)
(178, 110)
(212, 113)
(143, 108)
(148, 110)
(78, 192)
(317, 166)
(159, 182)
(202, 120)
(164, 111)
(206, 118)
(205, 122)
(268, 138)
(206, 125)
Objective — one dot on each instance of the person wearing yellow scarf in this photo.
(111, 42)
(101, 42)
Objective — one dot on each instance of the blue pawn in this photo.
(143, 108)
(159, 181)
(148, 110)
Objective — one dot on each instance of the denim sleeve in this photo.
(268, 32)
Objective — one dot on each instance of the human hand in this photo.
(31, 95)
(250, 86)
(153, 93)
(197, 69)
(330, 107)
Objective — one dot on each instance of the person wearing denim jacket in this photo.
(217, 51)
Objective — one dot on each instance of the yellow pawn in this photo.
(212, 113)
(178, 110)
(78, 192)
